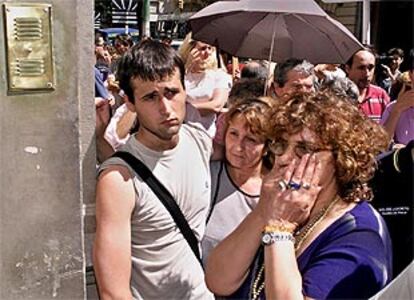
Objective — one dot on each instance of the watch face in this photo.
(266, 239)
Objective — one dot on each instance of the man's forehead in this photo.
(140, 85)
(364, 57)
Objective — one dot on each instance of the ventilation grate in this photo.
(28, 67)
(28, 29)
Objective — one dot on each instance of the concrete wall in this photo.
(47, 166)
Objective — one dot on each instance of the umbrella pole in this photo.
(218, 57)
(234, 66)
(272, 44)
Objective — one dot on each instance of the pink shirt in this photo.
(404, 131)
(374, 103)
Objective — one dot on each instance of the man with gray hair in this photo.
(343, 87)
(293, 75)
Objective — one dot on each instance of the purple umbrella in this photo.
(274, 30)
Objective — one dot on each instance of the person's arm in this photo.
(102, 110)
(282, 277)
(125, 124)
(391, 75)
(219, 138)
(390, 121)
(214, 104)
(115, 198)
(228, 264)
(103, 149)
(117, 131)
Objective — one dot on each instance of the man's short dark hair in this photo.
(300, 65)
(254, 69)
(149, 61)
(396, 51)
(246, 88)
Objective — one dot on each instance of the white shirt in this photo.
(201, 86)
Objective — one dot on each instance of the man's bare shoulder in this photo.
(115, 188)
(114, 172)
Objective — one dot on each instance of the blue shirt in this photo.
(100, 89)
(352, 258)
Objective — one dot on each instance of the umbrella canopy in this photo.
(275, 29)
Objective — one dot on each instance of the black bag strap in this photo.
(165, 196)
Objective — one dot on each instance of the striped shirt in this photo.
(374, 104)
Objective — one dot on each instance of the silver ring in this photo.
(282, 185)
(306, 185)
(294, 185)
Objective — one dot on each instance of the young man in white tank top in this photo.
(139, 252)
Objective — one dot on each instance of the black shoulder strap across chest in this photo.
(166, 198)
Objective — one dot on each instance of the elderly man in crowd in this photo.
(293, 75)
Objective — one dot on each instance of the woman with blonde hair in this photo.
(313, 233)
(206, 85)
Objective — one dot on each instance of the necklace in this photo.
(255, 291)
(300, 237)
(303, 233)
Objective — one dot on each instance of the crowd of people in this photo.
(294, 180)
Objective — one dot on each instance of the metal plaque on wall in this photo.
(29, 51)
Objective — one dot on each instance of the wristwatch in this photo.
(268, 238)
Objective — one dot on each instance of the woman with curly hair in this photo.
(313, 234)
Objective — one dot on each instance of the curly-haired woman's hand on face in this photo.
(288, 195)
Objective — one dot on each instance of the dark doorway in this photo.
(392, 25)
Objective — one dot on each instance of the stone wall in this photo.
(47, 165)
